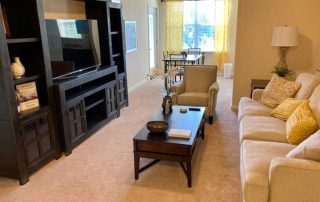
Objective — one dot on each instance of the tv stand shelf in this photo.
(86, 103)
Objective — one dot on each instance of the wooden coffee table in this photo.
(161, 147)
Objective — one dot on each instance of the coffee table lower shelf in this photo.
(178, 153)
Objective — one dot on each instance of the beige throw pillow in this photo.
(308, 149)
(278, 90)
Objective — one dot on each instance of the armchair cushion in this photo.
(193, 99)
(199, 78)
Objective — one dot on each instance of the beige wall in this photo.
(254, 56)
(137, 62)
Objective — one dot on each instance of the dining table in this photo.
(184, 59)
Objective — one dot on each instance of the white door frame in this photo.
(154, 10)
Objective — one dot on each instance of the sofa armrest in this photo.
(212, 102)
(294, 180)
(177, 89)
(256, 94)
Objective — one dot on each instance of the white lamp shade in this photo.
(285, 36)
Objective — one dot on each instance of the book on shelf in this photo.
(179, 133)
(27, 96)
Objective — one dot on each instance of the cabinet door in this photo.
(77, 120)
(38, 138)
(112, 104)
(122, 92)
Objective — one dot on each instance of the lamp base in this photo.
(282, 62)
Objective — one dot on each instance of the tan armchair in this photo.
(198, 88)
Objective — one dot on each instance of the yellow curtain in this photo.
(174, 26)
(220, 53)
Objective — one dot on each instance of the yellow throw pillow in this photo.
(286, 108)
(277, 90)
(301, 124)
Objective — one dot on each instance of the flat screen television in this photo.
(74, 47)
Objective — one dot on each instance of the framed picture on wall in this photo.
(131, 36)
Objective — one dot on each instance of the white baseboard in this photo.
(136, 85)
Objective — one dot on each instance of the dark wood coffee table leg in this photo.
(202, 131)
(136, 165)
(189, 173)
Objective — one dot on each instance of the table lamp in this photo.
(284, 37)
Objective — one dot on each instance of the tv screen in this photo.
(74, 46)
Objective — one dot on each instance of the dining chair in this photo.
(177, 64)
(202, 58)
(194, 51)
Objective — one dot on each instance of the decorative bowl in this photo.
(157, 126)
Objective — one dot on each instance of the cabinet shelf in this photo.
(22, 40)
(32, 112)
(94, 104)
(27, 79)
(116, 55)
(114, 32)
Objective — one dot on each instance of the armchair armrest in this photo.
(177, 89)
(256, 94)
(212, 102)
(294, 180)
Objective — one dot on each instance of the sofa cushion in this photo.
(262, 128)
(255, 162)
(308, 83)
(308, 149)
(286, 108)
(248, 106)
(315, 103)
(277, 90)
(193, 99)
(301, 124)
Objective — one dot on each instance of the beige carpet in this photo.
(101, 168)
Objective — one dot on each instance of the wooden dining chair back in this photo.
(202, 58)
(177, 64)
(194, 51)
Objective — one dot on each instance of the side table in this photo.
(258, 84)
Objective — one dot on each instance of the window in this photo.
(198, 25)
(68, 29)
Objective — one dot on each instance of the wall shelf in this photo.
(23, 35)
(27, 79)
(116, 55)
(94, 104)
(22, 40)
(114, 33)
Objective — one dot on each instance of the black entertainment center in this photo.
(79, 69)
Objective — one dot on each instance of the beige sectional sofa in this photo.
(266, 173)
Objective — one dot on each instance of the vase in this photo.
(167, 104)
(17, 68)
